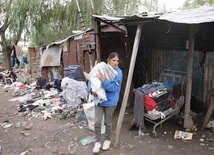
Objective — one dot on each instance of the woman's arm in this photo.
(114, 85)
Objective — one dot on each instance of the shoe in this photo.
(97, 147)
(106, 145)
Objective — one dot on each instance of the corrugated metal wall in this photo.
(70, 56)
(157, 60)
(177, 61)
(208, 76)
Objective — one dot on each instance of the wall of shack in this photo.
(163, 45)
(34, 62)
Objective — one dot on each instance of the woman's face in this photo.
(114, 62)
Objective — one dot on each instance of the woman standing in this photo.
(108, 107)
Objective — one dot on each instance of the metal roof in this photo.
(130, 20)
(108, 18)
(193, 16)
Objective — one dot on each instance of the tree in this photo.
(15, 17)
(58, 22)
(46, 21)
(188, 4)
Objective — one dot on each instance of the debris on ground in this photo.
(88, 140)
(182, 135)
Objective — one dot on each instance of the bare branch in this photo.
(4, 27)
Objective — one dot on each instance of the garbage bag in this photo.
(74, 72)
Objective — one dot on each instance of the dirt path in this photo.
(30, 135)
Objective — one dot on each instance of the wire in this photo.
(67, 127)
(170, 26)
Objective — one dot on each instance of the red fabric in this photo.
(149, 103)
(172, 103)
(20, 85)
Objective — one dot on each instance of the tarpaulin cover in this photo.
(18, 50)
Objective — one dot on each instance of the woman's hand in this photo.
(101, 77)
(94, 94)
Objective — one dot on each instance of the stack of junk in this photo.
(159, 101)
(45, 104)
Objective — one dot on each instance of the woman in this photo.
(107, 108)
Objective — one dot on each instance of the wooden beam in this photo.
(97, 30)
(205, 78)
(128, 83)
(110, 24)
(209, 111)
(188, 122)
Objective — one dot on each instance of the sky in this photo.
(171, 5)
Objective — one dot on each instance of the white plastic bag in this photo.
(89, 109)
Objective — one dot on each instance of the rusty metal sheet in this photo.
(51, 56)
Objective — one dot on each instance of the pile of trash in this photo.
(47, 104)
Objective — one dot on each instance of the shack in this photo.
(179, 41)
(80, 49)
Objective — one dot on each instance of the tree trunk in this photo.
(7, 56)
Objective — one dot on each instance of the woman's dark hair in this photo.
(112, 55)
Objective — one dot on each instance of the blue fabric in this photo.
(158, 85)
(147, 88)
(21, 59)
(15, 60)
(169, 84)
(112, 89)
(57, 84)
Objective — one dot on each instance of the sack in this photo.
(74, 72)
(89, 109)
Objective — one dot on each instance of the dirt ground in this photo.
(27, 135)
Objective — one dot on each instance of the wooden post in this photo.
(79, 55)
(188, 122)
(209, 111)
(205, 78)
(128, 83)
(29, 58)
(97, 38)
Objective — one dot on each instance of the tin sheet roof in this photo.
(193, 16)
(134, 19)
(108, 18)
